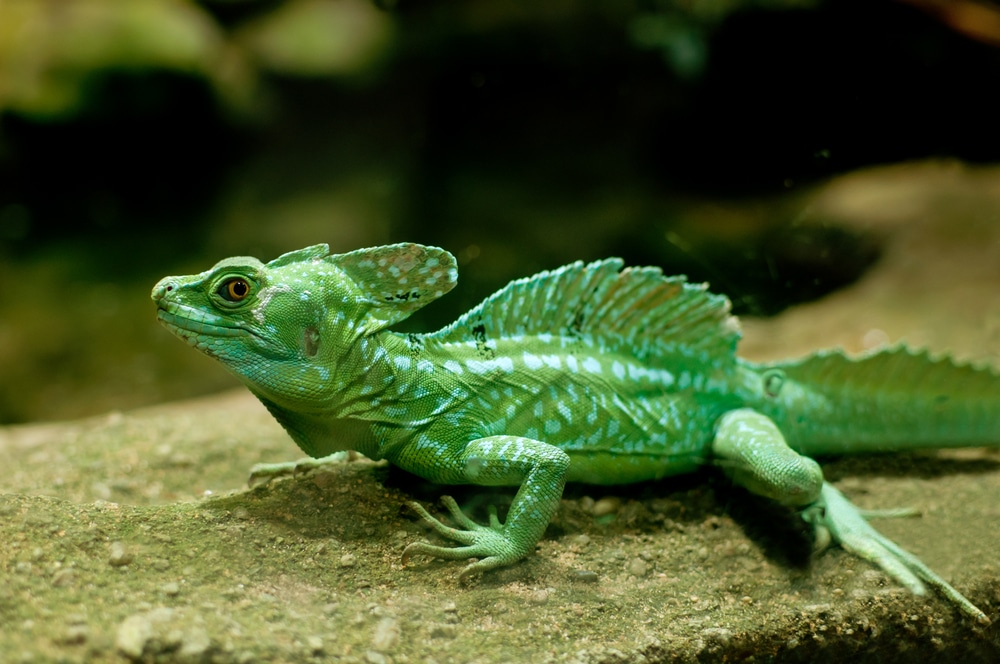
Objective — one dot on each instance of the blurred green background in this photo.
(153, 137)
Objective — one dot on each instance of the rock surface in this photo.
(133, 536)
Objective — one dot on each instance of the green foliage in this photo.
(51, 53)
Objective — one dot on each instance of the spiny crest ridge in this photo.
(891, 369)
(636, 307)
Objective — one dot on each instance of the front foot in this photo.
(836, 519)
(262, 473)
(493, 544)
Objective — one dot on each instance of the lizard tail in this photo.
(890, 400)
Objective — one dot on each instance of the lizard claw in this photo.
(835, 518)
(263, 473)
(490, 544)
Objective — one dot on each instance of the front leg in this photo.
(262, 473)
(539, 469)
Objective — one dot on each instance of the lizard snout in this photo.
(162, 287)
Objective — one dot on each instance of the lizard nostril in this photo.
(162, 288)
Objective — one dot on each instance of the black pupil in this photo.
(238, 289)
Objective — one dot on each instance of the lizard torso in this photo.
(588, 373)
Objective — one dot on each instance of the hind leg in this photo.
(750, 449)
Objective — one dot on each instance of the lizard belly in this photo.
(608, 467)
(617, 441)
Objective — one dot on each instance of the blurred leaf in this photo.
(49, 51)
(320, 37)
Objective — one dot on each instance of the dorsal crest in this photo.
(637, 309)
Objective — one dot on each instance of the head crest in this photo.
(393, 280)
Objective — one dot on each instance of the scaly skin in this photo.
(588, 373)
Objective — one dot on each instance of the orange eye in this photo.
(234, 290)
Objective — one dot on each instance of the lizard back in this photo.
(636, 310)
(609, 364)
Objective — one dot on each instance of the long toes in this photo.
(461, 536)
(478, 567)
(458, 515)
(443, 552)
(303, 466)
(894, 513)
(262, 473)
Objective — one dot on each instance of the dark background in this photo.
(139, 143)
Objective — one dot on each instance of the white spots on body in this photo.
(665, 377)
(264, 298)
(476, 366)
(684, 382)
(618, 369)
(592, 365)
(396, 410)
(480, 367)
(639, 373)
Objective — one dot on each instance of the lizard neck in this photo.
(361, 395)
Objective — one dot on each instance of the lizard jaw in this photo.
(205, 333)
(211, 334)
(186, 321)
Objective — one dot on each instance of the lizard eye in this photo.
(234, 290)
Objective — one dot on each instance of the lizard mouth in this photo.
(206, 332)
(185, 322)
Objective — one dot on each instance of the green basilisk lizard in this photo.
(588, 373)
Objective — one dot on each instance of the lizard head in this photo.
(301, 314)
